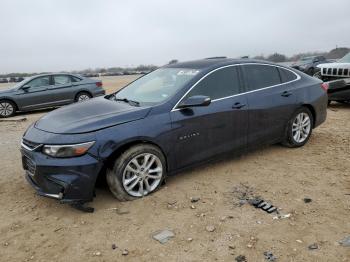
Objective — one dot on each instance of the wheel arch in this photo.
(109, 161)
(10, 99)
(82, 91)
(313, 112)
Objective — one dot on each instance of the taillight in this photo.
(325, 86)
(99, 84)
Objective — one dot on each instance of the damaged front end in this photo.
(67, 179)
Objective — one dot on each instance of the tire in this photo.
(311, 71)
(82, 96)
(318, 75)
(120, 176)
(7, 108)
(291, 136)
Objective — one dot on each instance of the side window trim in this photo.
(244, 81)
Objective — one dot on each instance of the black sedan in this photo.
(47, 90)
(176, 116)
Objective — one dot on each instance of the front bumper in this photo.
(66, 179)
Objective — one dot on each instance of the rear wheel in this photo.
(138, 172)
(299, 128)
(7, 108)
(82, 96)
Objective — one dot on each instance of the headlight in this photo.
(67, 150)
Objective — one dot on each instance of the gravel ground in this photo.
(218, 227)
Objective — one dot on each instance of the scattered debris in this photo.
(345, 242)
(223, 218)
(269, 256)
(210, 228)
(6, 244)
(299, 241)
(97, 253)
(193, 207)
(189, 239)
(163, 236)
(307, 200)
(280, 216)
(195, 199)
(313, 246)
(58, 229)
(264, 205)
(241, 258)
(114, 246)
(125, 252)
(231, 247)
(172, 202)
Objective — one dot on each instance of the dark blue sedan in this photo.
(176, 116)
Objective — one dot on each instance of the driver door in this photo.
(35, 94)
(204, 132)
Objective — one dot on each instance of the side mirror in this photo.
(195, 101)
(25, 87)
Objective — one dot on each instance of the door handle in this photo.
(286, 94)
(238, 105)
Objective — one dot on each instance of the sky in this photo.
(58, 35)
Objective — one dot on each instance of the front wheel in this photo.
(138, 172)
(299, 128)
(7, 108)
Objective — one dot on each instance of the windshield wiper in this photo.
(131, 102)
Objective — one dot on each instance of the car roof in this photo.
(210, 63)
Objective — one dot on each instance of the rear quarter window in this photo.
(261, 76)
(286, 75)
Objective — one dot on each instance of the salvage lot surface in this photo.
(33, 228)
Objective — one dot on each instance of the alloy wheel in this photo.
(83, 97)
(301, 127)
(142, 174)
(6, 109)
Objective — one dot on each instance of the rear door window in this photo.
(219, 84)
(261, 76)
(286, 75)
(62, 80)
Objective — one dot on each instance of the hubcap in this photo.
(83, 98)
(301, 127)
(142, 175)
(6, 109)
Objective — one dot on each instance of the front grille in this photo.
(29, 165)
(329, 71)
(30, 145)
(346, 72)
(324, 71)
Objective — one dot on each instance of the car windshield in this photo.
(157, 86)
(345, 59)
(307, 59)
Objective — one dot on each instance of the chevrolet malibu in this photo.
(172, 118)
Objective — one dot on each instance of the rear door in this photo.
(62, 89)
(36, 94)
(203, 132)
(271, 101)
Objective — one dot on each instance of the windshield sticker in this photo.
(189, 72)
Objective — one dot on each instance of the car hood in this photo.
(89, 116)
(335, 65)
(7, 90)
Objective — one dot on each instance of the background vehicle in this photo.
(49, 90)
(172, 118)
(309, 64)
(335, 71)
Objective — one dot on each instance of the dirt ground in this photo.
(34, 228)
